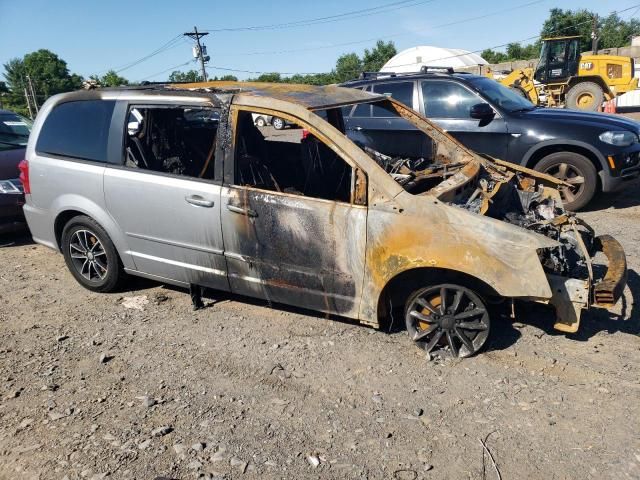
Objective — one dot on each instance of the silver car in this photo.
(177, 184)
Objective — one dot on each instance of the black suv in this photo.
(590, 151)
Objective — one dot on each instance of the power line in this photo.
(389, 7)
(392, 35)
(167, 70)
(253, 72)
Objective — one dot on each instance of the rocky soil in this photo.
(137, 386)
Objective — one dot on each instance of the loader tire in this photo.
(586, 96)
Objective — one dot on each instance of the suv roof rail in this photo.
(424, 69)
(434, 68)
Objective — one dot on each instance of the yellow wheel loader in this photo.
(565, 78)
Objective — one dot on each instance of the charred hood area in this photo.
(504, 192)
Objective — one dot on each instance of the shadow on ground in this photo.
(625, 198)
(17, 239)
(597, 319)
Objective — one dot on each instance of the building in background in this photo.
(414, 58)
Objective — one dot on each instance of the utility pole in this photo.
(33, 93)
(594, 35)
(201, 49)
(26, 95)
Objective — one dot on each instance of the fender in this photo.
(561, 143)
(82, 204)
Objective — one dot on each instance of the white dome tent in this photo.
(414, 58)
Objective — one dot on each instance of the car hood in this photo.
(9, 160)
(603, 120)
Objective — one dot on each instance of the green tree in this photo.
(374, 59)
(191, 76)
(615, 32)
(348, 67)
(109, 79)
(112, 79)
(49, 75)
(563, 23)
(227, 78)
(492, 56)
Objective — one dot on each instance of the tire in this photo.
(570, 166)
(97, 269)
(277, 123)
(463, 325)
(260, 122)
(587, 96)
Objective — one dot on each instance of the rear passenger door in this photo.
(448, 104)
(390, 134)
(165, 194)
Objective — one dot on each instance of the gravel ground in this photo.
(91, 389)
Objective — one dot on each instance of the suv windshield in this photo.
(14, 131)
(502, 96)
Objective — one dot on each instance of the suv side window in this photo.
(173, 140)
(401, 91)
(444, 99)
(77, 129)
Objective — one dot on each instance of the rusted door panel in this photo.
(296, 250)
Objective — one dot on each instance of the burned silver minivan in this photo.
(178, 184)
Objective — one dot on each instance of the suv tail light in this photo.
(23, 166)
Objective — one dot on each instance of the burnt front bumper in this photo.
(608, 291)
(571, 295)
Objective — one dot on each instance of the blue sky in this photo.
(93, 37)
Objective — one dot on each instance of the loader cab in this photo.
(559, 59)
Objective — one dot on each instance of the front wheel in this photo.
(447, 315)
(585, 96)
(90, 255)
(576, 170)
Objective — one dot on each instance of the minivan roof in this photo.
(312, 97)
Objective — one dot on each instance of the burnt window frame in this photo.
(108, 152)
(122, 125)
(359, 178)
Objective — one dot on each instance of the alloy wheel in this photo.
(570, 174)
(88, 255)
(448, 315)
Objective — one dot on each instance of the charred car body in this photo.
(313, 220)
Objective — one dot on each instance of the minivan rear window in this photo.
(78, 130)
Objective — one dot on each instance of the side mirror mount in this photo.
(482, 111)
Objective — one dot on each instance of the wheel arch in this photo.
(539, 151)
(592, 79)
(398, 289)
(79, 208)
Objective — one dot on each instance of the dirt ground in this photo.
(92, 389)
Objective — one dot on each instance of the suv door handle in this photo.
(357, 128)
(198, 201)
(242, 211)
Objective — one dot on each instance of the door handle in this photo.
(198, 201)
(357, 128)
(242, 211)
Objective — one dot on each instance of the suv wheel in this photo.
(447, 315)
(260, 122)
(585, 96)
(575, 169)
(277, 123)
(90, 255)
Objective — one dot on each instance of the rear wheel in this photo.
(584, 96)
(447, 315)
(575, 169)
(90, 255)
(260, 122)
